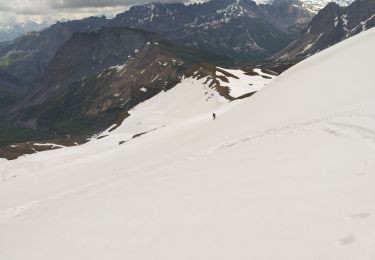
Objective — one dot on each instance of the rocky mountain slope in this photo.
(10, 90)
(97, 77)
(238, 28)
(84, 92)
(290, 14)
(330, 26)
(27, 57)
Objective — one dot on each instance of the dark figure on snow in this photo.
(214, 116)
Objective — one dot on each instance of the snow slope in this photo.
(285, 174)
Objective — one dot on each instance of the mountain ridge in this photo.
(330, 26)
(238, 28)
(312, 5)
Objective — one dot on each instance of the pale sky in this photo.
(17, 11)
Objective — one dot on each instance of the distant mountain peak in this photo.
(312, 5)
(331, 25)
(11, 32)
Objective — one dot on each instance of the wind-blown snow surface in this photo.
(285, 174)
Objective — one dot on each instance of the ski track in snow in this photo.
(21, 209)
(335, 128)
(350, 130)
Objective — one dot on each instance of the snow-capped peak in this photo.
(312, 5)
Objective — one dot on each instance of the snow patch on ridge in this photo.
(242, 83)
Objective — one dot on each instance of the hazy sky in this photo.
(15, 11)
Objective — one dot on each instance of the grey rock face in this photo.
(330, 26)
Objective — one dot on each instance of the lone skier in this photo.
(214, 116)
